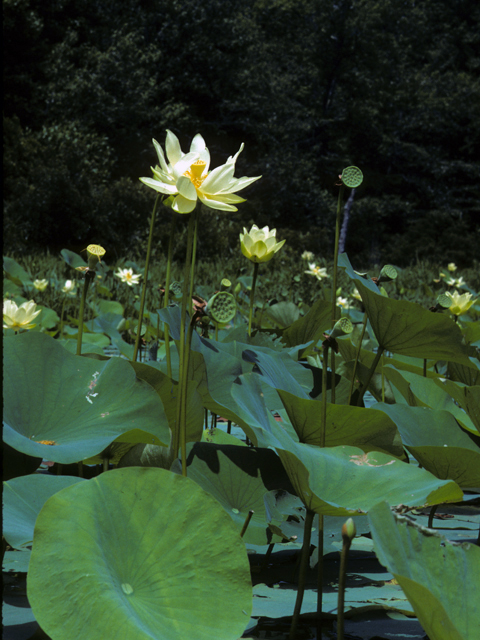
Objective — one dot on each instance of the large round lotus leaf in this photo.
(23, 499)
(442, 581)
(76, 406)
(140, 553)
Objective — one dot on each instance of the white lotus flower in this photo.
(187, 177)
(19, 317)
(127, 275)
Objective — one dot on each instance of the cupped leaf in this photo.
(408, 329)
(310, 328)
(346, 481)
(437, 442)
(343, 480)
(354, 426)
(140, 553)
(436, 393)
(67, 408)
(23, 499)
(283, 313)
(72, 259)
(15, 272)
(441, 580)
(237, 478)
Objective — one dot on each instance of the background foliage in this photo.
(310, 87)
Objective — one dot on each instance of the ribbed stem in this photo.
(252, 296)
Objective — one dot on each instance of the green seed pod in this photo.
(221, 307)
(225, 284)
(352, 177)
(387, 273)
(341, 328)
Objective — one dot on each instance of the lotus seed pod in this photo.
(352, 177)
(225, 284)
(349, 531)
(94, 253)
(387, 274)
(341, 328)
(221, 307)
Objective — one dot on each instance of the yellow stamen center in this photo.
(195, 173)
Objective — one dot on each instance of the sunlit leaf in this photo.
(137, 552)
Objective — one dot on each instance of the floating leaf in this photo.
(441, 580)
(140, 553)
(23, 499)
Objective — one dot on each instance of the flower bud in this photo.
(259, 245)
(349, 531)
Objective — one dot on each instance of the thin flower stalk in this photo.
(371, 371)
(145, 279)
(89, 276)
(252, 297)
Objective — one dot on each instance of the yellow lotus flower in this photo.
(356, 294)
(15, 317)
(186, 177)
(127, 275)
(318, 272)
(455, 282)
(460, 303)
(259, 245)
(40, 285)
(343, 302)
(452, 266)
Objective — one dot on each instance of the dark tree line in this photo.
(310, 86)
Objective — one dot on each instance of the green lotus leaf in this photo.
(76, 405)
(408, 329)
(311, 327)
(468, 374)
(23, 499)
(283, 313)
(236, 477)
(437, 393)
(343, 480)
(167, 391)
(441, 580)
(72, 259)
(140, 553)
(109, 306)
(437, 442)
(354, 426)
(15, 272)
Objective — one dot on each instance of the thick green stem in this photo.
(192, 266)
(182, 350)
(252, 296)
(88, 278)
(335, 258)
(145, 279)
(168, 276)
(376, 360)
(303, 572)
(184, 397)
(357, 356)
